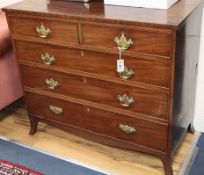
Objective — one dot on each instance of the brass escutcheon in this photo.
(55, 109)
(125, 100)
(122, 42)
(43, 31)
(51, 83)
(47, 59)
(126, 74)
(127, 129)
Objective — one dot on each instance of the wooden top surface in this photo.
(97, 11)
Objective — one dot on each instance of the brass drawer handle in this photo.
(55, 109)
(47, 59)
(122, 42)
(43, 31)
(51, 83)
(125, 100)
(126, 74)
(127, 129)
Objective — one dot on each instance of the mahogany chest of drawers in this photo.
(120, 76)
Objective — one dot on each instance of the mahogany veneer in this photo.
(146, 41)
(149, 134)
(61, 31)
(101, 64)
(70, 79)
(98, 91)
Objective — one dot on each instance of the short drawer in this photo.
(145, 42)
(144, 71)
(102, 92)
(45, 29)
(127, 129)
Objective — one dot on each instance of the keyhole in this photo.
(82, 53)
(84, 80)
(87, 109)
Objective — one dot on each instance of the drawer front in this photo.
(128, 98)
(144, 71)
(145, 42)
(98, 91)
(127, 129)
(53, 81)
(35, 52)
(53, 30)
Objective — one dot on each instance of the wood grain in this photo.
(147, 42)
(102, 92)
(148, 134)
(171, 18)
(60, 31)
(95, 62)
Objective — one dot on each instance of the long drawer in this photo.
(103, 92)
(50, 30)
(144, 71)
(127, 129)
(145, 42)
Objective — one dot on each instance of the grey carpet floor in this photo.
(44, 163)
(197, 163)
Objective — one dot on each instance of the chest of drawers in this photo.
(68, 64)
